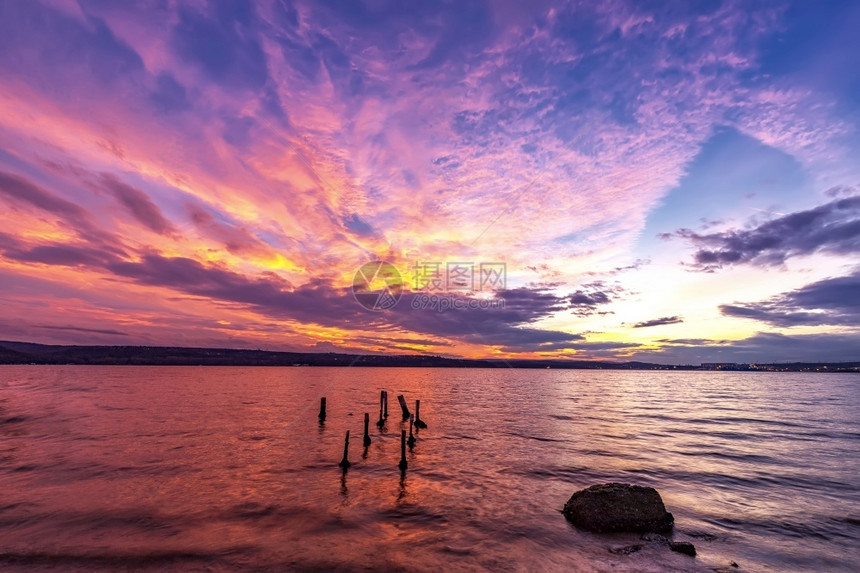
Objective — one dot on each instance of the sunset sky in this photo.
(663, 183)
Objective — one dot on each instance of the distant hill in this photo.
(31, 353)
(9, 356)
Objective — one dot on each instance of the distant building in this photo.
(723, 366)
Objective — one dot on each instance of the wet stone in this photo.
(617, 508)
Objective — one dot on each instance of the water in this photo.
(224, 469)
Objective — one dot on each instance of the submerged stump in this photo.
(322, 410)
(419, 423)
(403, 407)
(618, 507)
(366, 433)
(344, 463)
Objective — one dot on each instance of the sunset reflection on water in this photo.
(229, 468)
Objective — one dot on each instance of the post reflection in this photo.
(344, 490)
(402, 493)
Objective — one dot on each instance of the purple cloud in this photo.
(830, 301)
(24, 192)
(659, 322)
(587, 300)
(830, 228)
(762, 347)
(138, 204)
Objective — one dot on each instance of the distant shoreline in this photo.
(36, 354)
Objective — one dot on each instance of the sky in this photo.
(673, 182)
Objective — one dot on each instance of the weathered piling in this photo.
(403, 407)
(402, 464)
(385, 404)
(411, 441)
(366, 433)
(419, 423)
(322, 410)
(344, 463)
(381, 421)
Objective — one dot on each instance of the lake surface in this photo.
(224, 469)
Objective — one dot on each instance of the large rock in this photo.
(618, 507)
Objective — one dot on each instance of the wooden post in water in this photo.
(402, 464)
(403, 407)
(366, 434)
(381, 421)
(411, 441)
(419, 423)
(322, 410)
(344, 463)
(385, 404)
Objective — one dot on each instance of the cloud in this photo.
(659, 322)
(358, 226)
(587, 300)
(169, 95)
(830, 228)
(762, 347)
(65, 255)
(24, 191)
(322, 303)
(107, 332)
(138, 204)
(62, 254)
(235, 238)
(510, 327)
(833, 301)
(222, 43)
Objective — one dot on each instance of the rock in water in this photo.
(618, 507)
(683, 547)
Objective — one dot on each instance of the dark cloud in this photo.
(587, 300)
(63, 255)
(194, 278)
(358, 226)
(830, 301)
(659, 321)
(759, 348)
(236, 238)
(832, 228)
(320, 303)
(84, 330)
(24, 191)
(138, 204)
(55, 253)
(508, 327)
